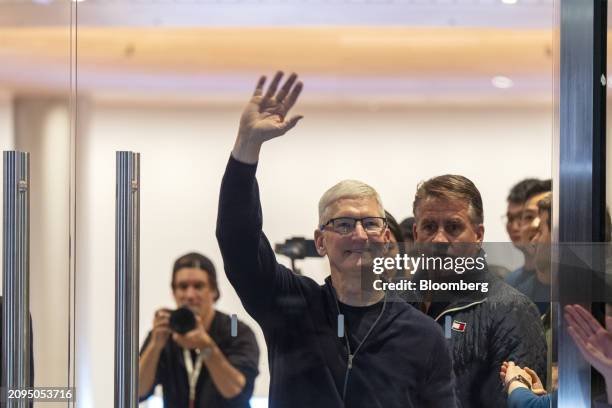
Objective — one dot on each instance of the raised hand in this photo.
(265, 116)
(593, 341)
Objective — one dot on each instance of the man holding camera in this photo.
(194, 355)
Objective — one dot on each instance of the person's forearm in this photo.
(227, 379)
(245, 150)
(147, 368)
(514, 385)
(249, 261)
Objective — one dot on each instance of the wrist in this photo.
(518, 381)
(206, 342)
(514, 385)
(208, 352)
(156, 347)
(246, 150)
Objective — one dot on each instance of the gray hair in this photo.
(347, 189)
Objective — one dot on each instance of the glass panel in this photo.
(394, 93)
(36, 116)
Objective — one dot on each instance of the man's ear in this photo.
(414, 231)
(479, 233)
(387, 235)
(320, 242)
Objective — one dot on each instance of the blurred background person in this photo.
(537, 285)
(205, 366)
(406, 228)
(394, 228)
(523, 203)
(516, 199)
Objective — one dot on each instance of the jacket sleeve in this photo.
(524, 398)
(243, 353)
(249, 261)
(516, 334)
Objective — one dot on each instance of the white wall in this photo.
(6, 121)
(184, 152)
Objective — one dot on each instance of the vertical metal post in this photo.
(581, 167)
(127, 271)
(16, 275)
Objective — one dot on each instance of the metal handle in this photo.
(16, 275)
(127, 271)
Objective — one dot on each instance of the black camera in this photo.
(182, 320)
(297, 248)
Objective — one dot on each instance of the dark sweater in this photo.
(404, 362)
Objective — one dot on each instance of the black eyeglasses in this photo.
(346, 225)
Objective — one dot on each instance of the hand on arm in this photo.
(147, 365)
(536, 384)
(228, 380)
(508, 374)
(509, 370)
(265, 116)
(593, 341)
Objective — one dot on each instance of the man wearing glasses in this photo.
(334, 345)
(522, 210)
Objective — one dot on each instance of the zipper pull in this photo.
(350, 361)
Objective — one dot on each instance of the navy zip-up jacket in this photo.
(405, 361)
(499, 325)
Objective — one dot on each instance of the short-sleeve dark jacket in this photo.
(241, 351)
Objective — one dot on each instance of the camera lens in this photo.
(182, 320)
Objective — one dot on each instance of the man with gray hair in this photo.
(331, 345)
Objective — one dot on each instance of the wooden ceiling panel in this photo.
(126, 59)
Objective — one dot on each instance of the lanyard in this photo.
(192, 373)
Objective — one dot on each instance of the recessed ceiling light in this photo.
(509, 1)
(502, 82)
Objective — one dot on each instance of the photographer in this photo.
(193, 355)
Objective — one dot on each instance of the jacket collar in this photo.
(453, 299)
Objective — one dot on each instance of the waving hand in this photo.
(266, 116)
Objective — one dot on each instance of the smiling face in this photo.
(191, 288)
(346, 253)
(530, 221)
